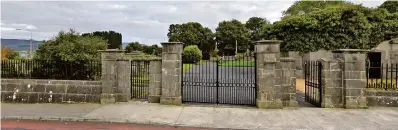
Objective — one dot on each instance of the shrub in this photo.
(192, 54)
(240, 56)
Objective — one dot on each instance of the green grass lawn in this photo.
(187, 66)
(237, 63)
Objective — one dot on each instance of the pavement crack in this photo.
(301, 112)
(174, 124)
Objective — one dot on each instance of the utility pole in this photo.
(236, 47)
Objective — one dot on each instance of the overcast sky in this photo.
(143, 21)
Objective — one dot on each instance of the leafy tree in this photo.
(342, 26)
(6, 53)
(229, 32)
(192, 33)
(69, 55)
(69, 46)
(114, 38)
(390, 6)
(134, 46)
(255, 24)
(152, 50)
(305, 7)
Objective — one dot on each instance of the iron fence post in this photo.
(217, 83)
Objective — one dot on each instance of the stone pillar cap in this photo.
(349, 50)
(164, 43)
(268, 42)
(111, 50)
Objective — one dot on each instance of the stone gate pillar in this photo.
(109, 74)
(171, 73)
(267, 59)
(155, 84)
(354, 76)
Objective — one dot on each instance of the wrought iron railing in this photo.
(51, 69)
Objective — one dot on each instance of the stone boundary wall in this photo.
(382, 98)
(50, 91)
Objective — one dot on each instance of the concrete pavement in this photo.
(210, 116)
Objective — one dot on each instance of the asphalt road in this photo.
(236, 84)
(35, 125)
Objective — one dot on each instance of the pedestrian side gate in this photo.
(313, 84)
(139, 79)
(226, 80)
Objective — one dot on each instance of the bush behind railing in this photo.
(51, 69)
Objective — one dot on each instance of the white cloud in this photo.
(146, 22)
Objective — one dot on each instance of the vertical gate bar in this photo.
(315, 85)
(131, 79)
(217, 81)
(384, 76)
(396, 75)
(255, 78)
(381, 76)
(142, 64)
(135, 81)
(182, 79)
(142, 70)
(140, 79)
(367, 74)
(391, 79)
(192, 87)
(136, 89)
(312, 81)
(305, 80)
(320, 83)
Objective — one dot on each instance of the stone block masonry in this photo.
(269, 93)
(286, 80)
(382, 98)
(354, 76)
(332, 94)
(171, 73)
(50, 91)
(155, 83)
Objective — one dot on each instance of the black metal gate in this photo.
(139, 79)
(313, 84)
(226, 80)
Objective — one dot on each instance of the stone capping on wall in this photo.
(382, 98)
(112, 50)
(268, 42)
(172, 43)
(349, 50)
(51, 81)
(147, 59)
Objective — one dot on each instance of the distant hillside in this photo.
(19, 44)
(23, 45)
